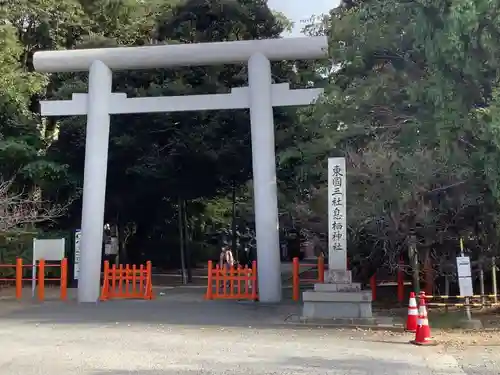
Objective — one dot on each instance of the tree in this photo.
(25, 170)
(20, 213)
(21, 209)
(410, 105)
(21, 138)
(157, 159)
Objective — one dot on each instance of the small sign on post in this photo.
(464, 276)
(46, 249)
(76, 263)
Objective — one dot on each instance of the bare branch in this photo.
(18, 209)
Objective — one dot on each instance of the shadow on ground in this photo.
(175, 308)
(306, 365)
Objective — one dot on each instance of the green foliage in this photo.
(412, 100)
(412, 104)
(154, 159)
(13, 245)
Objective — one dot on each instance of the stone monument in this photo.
(338, 297)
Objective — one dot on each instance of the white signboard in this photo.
(465, 285)
(111, 248)
(46, 249)
(463, 267)
(76, 262)
(464, 276)
(50, 249)
(337, 223)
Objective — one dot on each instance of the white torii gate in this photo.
(260, 97)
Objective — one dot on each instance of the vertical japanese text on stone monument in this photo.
(337, 231)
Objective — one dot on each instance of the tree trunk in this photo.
(233, 223)
(428, 272)
(413, 257)
(181, 240)
(187, 242)
(122, 246)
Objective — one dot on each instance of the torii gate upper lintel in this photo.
(260, 97)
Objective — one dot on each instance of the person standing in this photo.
(226, 259)
(226, 262)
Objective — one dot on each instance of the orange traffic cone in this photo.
(411, 320)
(423, 334)
(421, 297)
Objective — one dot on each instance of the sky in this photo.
(299, 10)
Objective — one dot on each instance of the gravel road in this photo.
(478, 360)
(175, 335)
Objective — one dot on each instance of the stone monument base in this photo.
(337, 298)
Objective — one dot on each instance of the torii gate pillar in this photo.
(264, 178)
(94, 181)
(260, 96)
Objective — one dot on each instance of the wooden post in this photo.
(64, 279)
(254, 279)
(105, 293)
(231, 280)
(41, 280)
(481, 282)
(239, 273)
(373, 286)
(127, 280)
(295, 279)
(401, 282)
(494, 278)
(19, 278)
(446, 290)
(321, 269)
(217, 280)
(114, 275)
(120, 278)
(149, 281)
(209, 294)
(429, 275)
(135, 291)
(142, 278)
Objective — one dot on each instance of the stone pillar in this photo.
(337, 221)
(94, 185)
(338, 297)
(264, 178)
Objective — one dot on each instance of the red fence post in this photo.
(19, 278)
(373, 285)
(105, 292)
(209, 281)
(295, 279)
(41, 279)
(64, 279)
(321, 269)
(255, 281)
(401, 282)
(149, 269)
